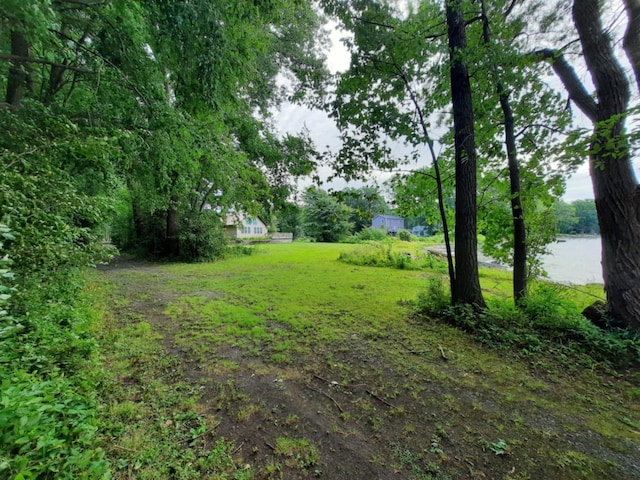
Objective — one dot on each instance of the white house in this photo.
(241, 226)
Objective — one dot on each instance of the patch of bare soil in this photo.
(368, 419)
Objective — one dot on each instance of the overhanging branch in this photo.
(18, 58)
(577, 92)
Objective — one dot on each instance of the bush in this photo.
(405, 235)
(375, 234)
(53, 194)
(48, 430)
(201, 237)
(544, 322)
(46, 351)
(383, 255)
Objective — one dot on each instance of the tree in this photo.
(467, 282)
(325, 219)
(289, 218)
(365, 203)
(178, 93)
(614, 183)
(565, 215)
(416, 196)
(396, 85)
(587, 216)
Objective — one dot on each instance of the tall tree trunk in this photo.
(517, 210)
(18, 71)
(467, 284)
(632, 36)
(615, 186)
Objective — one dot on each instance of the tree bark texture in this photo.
(517, 210)
(467, 284)
(615, 186)
(17, 81)
(632, 37)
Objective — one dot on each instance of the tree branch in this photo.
(577, 92)
(539, 125)
(19, 58)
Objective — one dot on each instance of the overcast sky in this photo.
(323, 131)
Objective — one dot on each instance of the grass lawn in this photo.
(290, 364)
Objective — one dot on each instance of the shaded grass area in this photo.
(307, 366)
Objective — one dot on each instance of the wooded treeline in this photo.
(148, 120)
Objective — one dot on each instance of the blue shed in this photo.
(390, 223)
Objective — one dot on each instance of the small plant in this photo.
(501, 447)
(435, 445)
(299, 452)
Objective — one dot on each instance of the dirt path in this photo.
(378, 408)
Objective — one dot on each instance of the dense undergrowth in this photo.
(545, 322)
(47, 396)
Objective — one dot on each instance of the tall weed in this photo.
(382, 254)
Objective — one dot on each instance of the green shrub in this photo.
(374, 234)
(435, 299)
(544, 322)
(53, 193)
(48, 430)
(239, 250)
(47, 412)
(405, 235)
(201, 237)
(381, 254)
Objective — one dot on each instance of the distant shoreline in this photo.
(483, 261)
(578, 235)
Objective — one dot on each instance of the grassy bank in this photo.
(291, 364)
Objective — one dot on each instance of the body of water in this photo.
(571, 260)
(575, 260)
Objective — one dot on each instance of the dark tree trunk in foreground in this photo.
(615, 187)
(517, 211)
(18, 71)
(467, 282)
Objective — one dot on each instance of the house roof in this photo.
(237, 218)
(389, 217)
